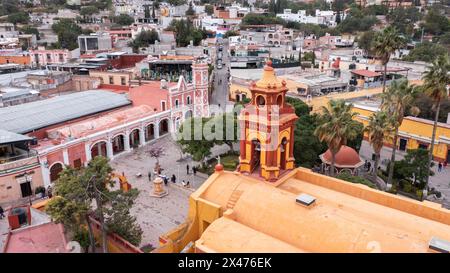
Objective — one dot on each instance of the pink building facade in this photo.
(42, 57)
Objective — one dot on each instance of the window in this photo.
(49, 58)
(111, 80)
(260, 101)
(176, 103)
(123, 81)
(188, 100)
(163, 106)
(61, 58)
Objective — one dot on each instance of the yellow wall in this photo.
(415, 128)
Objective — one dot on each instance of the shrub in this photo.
(355, 179)
(39, 189)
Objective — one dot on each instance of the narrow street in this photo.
(219, 95)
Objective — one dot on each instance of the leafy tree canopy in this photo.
(20, 17)
(425, 52)
(123, 19)
(68, 32)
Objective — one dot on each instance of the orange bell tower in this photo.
(267, 129)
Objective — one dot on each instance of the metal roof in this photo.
(31, 116)
(8, 137)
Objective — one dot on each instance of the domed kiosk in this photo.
(347, 159)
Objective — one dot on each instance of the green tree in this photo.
(230, 33)
(209, 9)
(260, 19)
(185, 32)
(9, 7)
(425, 52)
(436, 80)
(379, 129)
(20, 17)
(399, 96)
(119, 219)
(386, 43)
(336, 127)
(123, 20)
(144, 39)
(77, 189)
(403, 19)
(192, 140)
(366, 41)
(435, 23)
(414, 167)
(68, 32)
(88, 11)
(31, 30)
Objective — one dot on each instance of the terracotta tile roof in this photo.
(365, 73)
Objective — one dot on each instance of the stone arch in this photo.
(134, 138)
(118, 143)
(188, 114)
(149, 131)
(163, 126)
(99, 148)
(55, 170)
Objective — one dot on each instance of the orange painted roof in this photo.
(345, 217)
(346, 157)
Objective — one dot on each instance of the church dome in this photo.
(347, 157)
(269, 80)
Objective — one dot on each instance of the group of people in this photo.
(173, 178)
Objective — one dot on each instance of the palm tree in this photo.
(336, 126)
(385, 44)
(436, 80)
(379, 128)
(399, 96)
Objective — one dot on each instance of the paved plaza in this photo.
(440, 181)
(156, 216)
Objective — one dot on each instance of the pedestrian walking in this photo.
(439, 167)
(194, 170)
(2, 215)
(150, 176)
(173, 179)
(187, 169)
(183, 183)
(165, 180)
(49, 192)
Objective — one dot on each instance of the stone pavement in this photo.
(440, 181)
(156, 216)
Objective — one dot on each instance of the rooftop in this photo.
(31, 116)
(44, 238)
(8, 137)
(345, 217)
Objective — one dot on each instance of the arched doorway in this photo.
(188, 114)
(55, 170)
(150, 132)
(118, 143)
(177, 123)
(163, 127)
(256, 155)
(98, 149)
(283, 146)
(134, 138)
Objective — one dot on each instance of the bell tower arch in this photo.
(267, 129)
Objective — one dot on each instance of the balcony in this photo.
(20, 160)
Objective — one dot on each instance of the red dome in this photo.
(346, 157)
(218, 167)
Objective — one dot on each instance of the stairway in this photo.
(233, 199)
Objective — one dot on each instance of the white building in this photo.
(321, 17)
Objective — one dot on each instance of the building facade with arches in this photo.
(97, 123)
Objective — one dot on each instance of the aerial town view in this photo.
(217, 126)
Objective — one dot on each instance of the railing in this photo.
(18, 161)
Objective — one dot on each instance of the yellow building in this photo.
(414, 133)
(301, 211)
